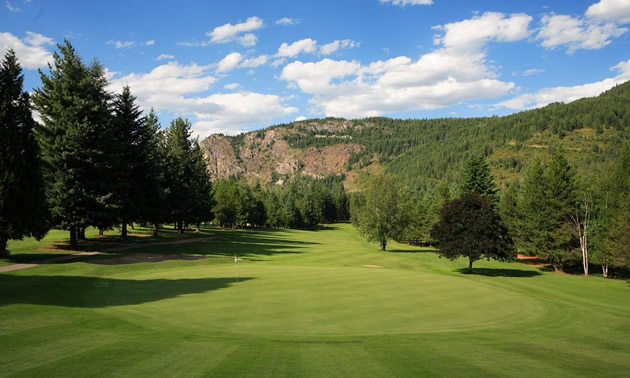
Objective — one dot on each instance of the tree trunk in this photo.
(470, 262)
(383, 245)
(101, 232)
(156, 229)
(123, 233)
(81, 233)
(3, 247)
(180, 227)
(73, 237)
(605, 268)
(557, 267)
(198, 227)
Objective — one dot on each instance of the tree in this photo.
(23, 207)
(508, 209)
(612, 241)
(385, 214)
(77, 142)
(477, 178)
(189, 188)
(549, 199)
(470, 227)
(131, 139)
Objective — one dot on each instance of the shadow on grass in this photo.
(96, 292)
(490, 272)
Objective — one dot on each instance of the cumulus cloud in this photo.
(236, 60)
(150, 42)
(473, 33)
(121, 44)
(165, 57)
(331, 47)
(287, 21)
(229, 62)
(402, 3)
(305, 45)
(300, 118)
(610, 10)
(237, 33)
(232, 113)
(183, 90)
(546, 96)
(576, 33)
(31, 51)
(455, 72)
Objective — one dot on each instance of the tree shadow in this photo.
(97, 292)
(491, 272)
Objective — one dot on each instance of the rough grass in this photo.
(305, 305)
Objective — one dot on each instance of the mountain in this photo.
(422, 152)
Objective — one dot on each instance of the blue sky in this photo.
(232, 66)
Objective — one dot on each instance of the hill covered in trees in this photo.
(591, 130)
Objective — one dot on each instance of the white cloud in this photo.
(11, 8)
(455, 72)
(610, 10)
(300, 118)
(165, 57)
(150, 42)
(238, 32)
(287, 21)
(532, 71)
(305, 45)
(278, 62)
(236, 60)
(576, 33)
(231, 113)
(232, 86)
(230, 62)
(254, 62)
(402, 3)
(546, 96)
(31, 51)
(121, 44)
(331, 47)
(182, 90)
(491, 26)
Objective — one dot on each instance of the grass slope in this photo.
(305, 304)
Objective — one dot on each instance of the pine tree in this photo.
(23, 207)
(131, 136)
(477, 178)
(76, 142)
(508, 208)
(154, 185)
(549, 198)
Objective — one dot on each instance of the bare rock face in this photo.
(222, 162)
(263, 153)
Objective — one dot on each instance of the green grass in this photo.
(305, 305)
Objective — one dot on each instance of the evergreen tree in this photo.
(549, 198)
(23, 207)
(153, 201)
(77, 142)
(613, 239)
(508, 208)
(477, 178)
(131, 137)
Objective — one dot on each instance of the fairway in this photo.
(305, 303)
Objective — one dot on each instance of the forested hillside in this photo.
(426, 151)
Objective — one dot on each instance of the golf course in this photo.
(300, 303)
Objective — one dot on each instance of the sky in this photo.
(235, 66)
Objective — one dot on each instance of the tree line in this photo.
(555, 214)
(94, 160)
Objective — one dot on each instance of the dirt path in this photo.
(52, 260)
